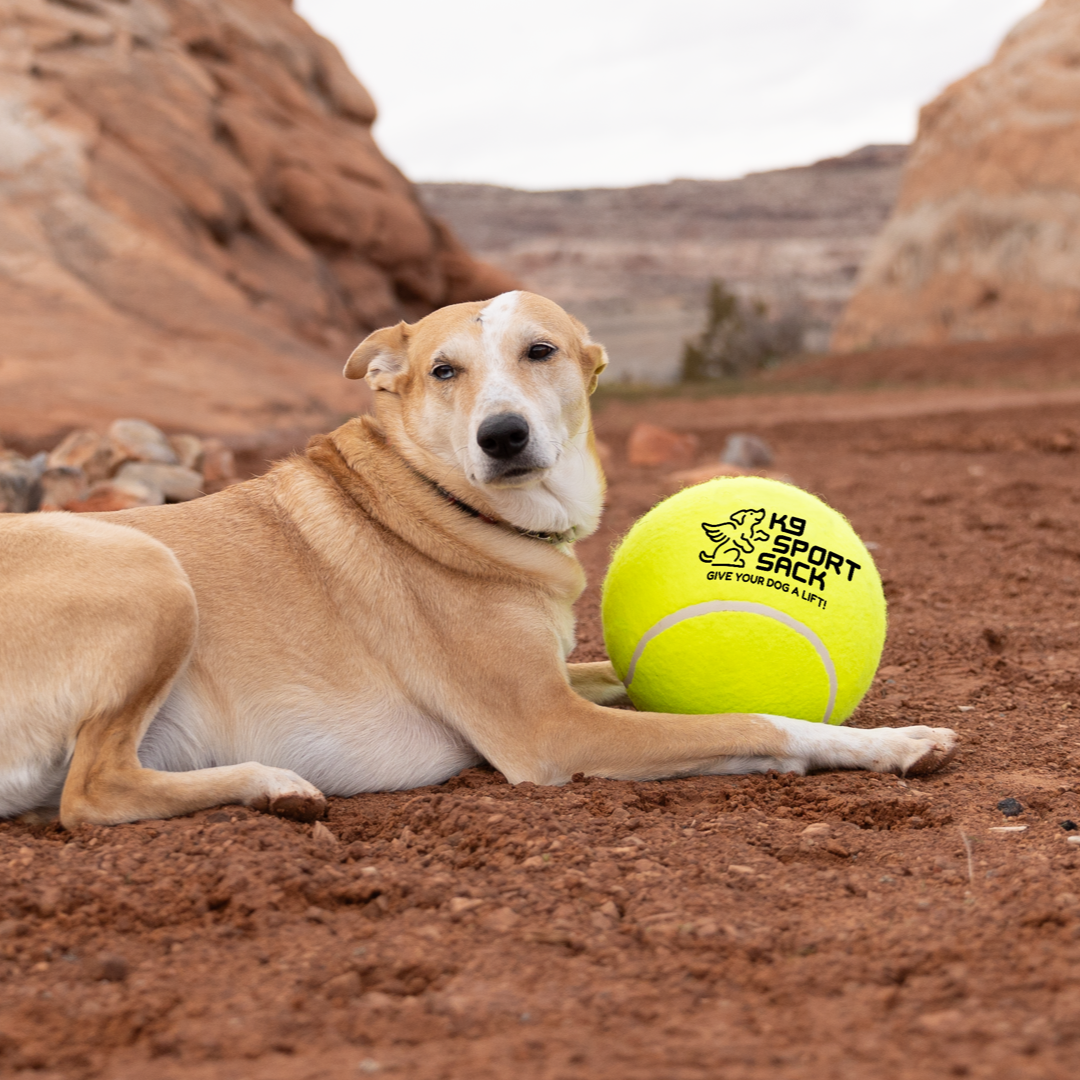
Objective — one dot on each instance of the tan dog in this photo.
(389, 608)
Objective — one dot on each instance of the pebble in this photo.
(109, 967)
(1072, 839)
(87, 450)
(1069, 826)
(1011, 807)
(138, 440)
(321, 834)
(175, 483)
(119, 494)
(62, 484)
(20, 482)
(652, 445)
(747, 451)
(189, 450)
(218, 465)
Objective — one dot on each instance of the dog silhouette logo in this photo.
(734, 538)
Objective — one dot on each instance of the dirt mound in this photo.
(765, 928)
(983, 241)
(195, 222)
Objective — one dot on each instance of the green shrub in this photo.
(739, 337)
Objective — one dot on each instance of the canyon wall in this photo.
(196, 224)
(635, 263)
(985, 239)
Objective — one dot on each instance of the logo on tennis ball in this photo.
(792, 556)
(734, 538)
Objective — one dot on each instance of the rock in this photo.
(346, 985)
(219, 467)
(460, 904)
(109, 967)
(175, 482)
(197, 224)
(747, 451)
(1011, 807)
(188, 450)
(651, 445)
(136, 440)
(85, 450)
(20, 482)
(322, 835)
(60, 485)
(1069, 826)
(118, 494)
(984, 242)
(501, 920)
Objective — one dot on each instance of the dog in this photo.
(388, 608)
(734, 538)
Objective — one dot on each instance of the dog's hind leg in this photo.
(598, 683)
(107, 784)
(97, 621)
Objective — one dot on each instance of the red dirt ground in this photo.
(677, 930)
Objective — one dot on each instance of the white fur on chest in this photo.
(377, 742)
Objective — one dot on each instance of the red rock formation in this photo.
(985, 239)
(195, 221)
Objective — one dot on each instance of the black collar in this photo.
(553, 538)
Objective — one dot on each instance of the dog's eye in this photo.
(442, 371)
(540, 351)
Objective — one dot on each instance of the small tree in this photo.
(738, 337)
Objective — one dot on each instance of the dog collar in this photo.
(553, 538)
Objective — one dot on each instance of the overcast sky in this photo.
(584, 93)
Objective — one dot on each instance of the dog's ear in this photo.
(597, 356)
(380, 357)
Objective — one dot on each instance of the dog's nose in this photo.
(504, 435)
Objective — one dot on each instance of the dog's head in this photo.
(494, 396)
(748, 520)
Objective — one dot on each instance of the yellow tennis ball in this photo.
(744, 595)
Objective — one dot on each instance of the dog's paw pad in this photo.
(289, 796)
(298, 807)
(942, 744)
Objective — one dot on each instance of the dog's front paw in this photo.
(926, 750)
(290, 796)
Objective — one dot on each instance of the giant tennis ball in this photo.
(744, 595)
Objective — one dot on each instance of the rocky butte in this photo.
(196, 224)
(984, 242)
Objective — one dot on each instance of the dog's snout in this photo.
(503, 436)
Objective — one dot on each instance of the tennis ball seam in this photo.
(719, 606)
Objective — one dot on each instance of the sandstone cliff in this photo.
(635, 263)
(195, 221)
(985, 239)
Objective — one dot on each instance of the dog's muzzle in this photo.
(503, 436)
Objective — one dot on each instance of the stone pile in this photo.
(132, 464)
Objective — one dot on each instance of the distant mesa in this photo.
(196, 224)
(636, 263)
(985, 240)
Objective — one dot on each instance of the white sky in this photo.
(585, 93)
